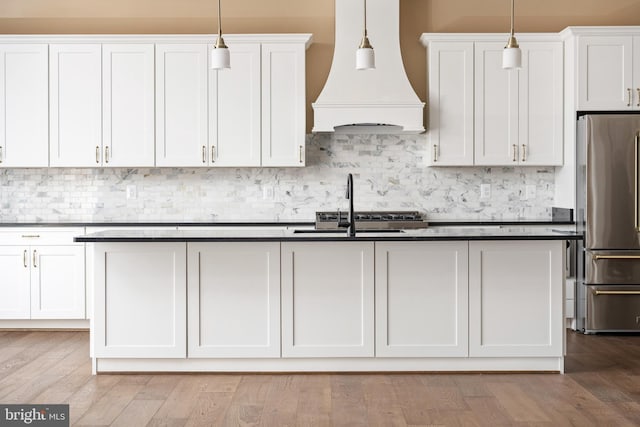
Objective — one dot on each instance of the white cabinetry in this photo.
(24, 105)
(328, 299)
(234, 299)
(128, 105)
(140, 300)
(283, 104)
(181, 105)
(516, 299)
(75, 105)
(481, 114)
(234, 108)
(43, 275)
(609, 72)
(421, 299)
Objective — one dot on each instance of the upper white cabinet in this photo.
(128, 105)
(481, 114)
(283, 104)
(328, 299)
(24, 105)
(234, 108)
(609, 72)
(181, 105)
(75, 105)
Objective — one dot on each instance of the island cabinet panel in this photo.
(328, 299)
(140, 300)
(421, 299)
(515, 298)
(234, 299)
(15, 290)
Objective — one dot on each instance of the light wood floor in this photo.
(601, 388)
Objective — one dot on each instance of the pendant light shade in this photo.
(220, 57)
(365, 58)
(512, 55)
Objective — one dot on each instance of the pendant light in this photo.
(512, 55)
(220, 58)
(365, 59)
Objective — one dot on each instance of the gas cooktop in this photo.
(373, 220)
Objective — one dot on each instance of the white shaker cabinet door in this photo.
(422, 299)
(234, 299)
(15, 291)
(450, 129)
(57, 282)
(516, 298)
(283, 104)
(234, 100)
(327, 299)
(128, 105)
(181, 105)
(605, 73)
(140, 300)
(75, 105)
(24, 105)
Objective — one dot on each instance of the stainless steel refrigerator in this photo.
(608, 288)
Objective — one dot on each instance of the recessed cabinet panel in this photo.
(515, 298)
(234, 299)
(236, 140)
(283, 100)
(450, 128)
(14, 284)
(128, 105)
(140, 300)
(327, 299)
(75, 105)
(24, 105)
(181, 105)
(421, 299)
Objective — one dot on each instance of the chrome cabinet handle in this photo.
(35, 257)
(515, 153)
(213, 154)
(524, 153)
(300, 154)
(435, 153)
(628, 97)
(106, 154)
(616, 292)
(204, 154)
(97, 154)
(30, 236)
(24, 258)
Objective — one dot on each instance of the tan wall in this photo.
(312, 16)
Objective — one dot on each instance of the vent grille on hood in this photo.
(368, 101)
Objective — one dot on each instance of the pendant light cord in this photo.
(512, 16)
(220, 41)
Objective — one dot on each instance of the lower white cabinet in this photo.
(42, 275)
(328, 299)
(421, 299)
(234, 299)
(140, 300)
(515, 298)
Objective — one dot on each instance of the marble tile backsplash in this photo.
(389, 173)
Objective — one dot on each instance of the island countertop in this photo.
(306, 234)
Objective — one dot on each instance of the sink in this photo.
(334, 231)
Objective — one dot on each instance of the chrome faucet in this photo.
(350, 225)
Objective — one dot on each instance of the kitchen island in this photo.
(437, 299)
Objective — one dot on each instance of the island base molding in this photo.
(511, 364)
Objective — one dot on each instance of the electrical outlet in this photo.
(132, 192)
(530, 191)
(267, 193)
(485, 191)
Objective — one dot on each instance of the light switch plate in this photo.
(485, 191)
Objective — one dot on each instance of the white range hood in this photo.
(368, 101)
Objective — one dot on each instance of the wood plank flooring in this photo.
(601, 388)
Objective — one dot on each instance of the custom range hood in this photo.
(380, 100)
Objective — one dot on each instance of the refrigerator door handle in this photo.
(635, 162)
(597, 292)
(599, 257)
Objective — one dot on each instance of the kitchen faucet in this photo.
(351, 218)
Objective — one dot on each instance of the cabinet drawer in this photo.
(40, 236)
